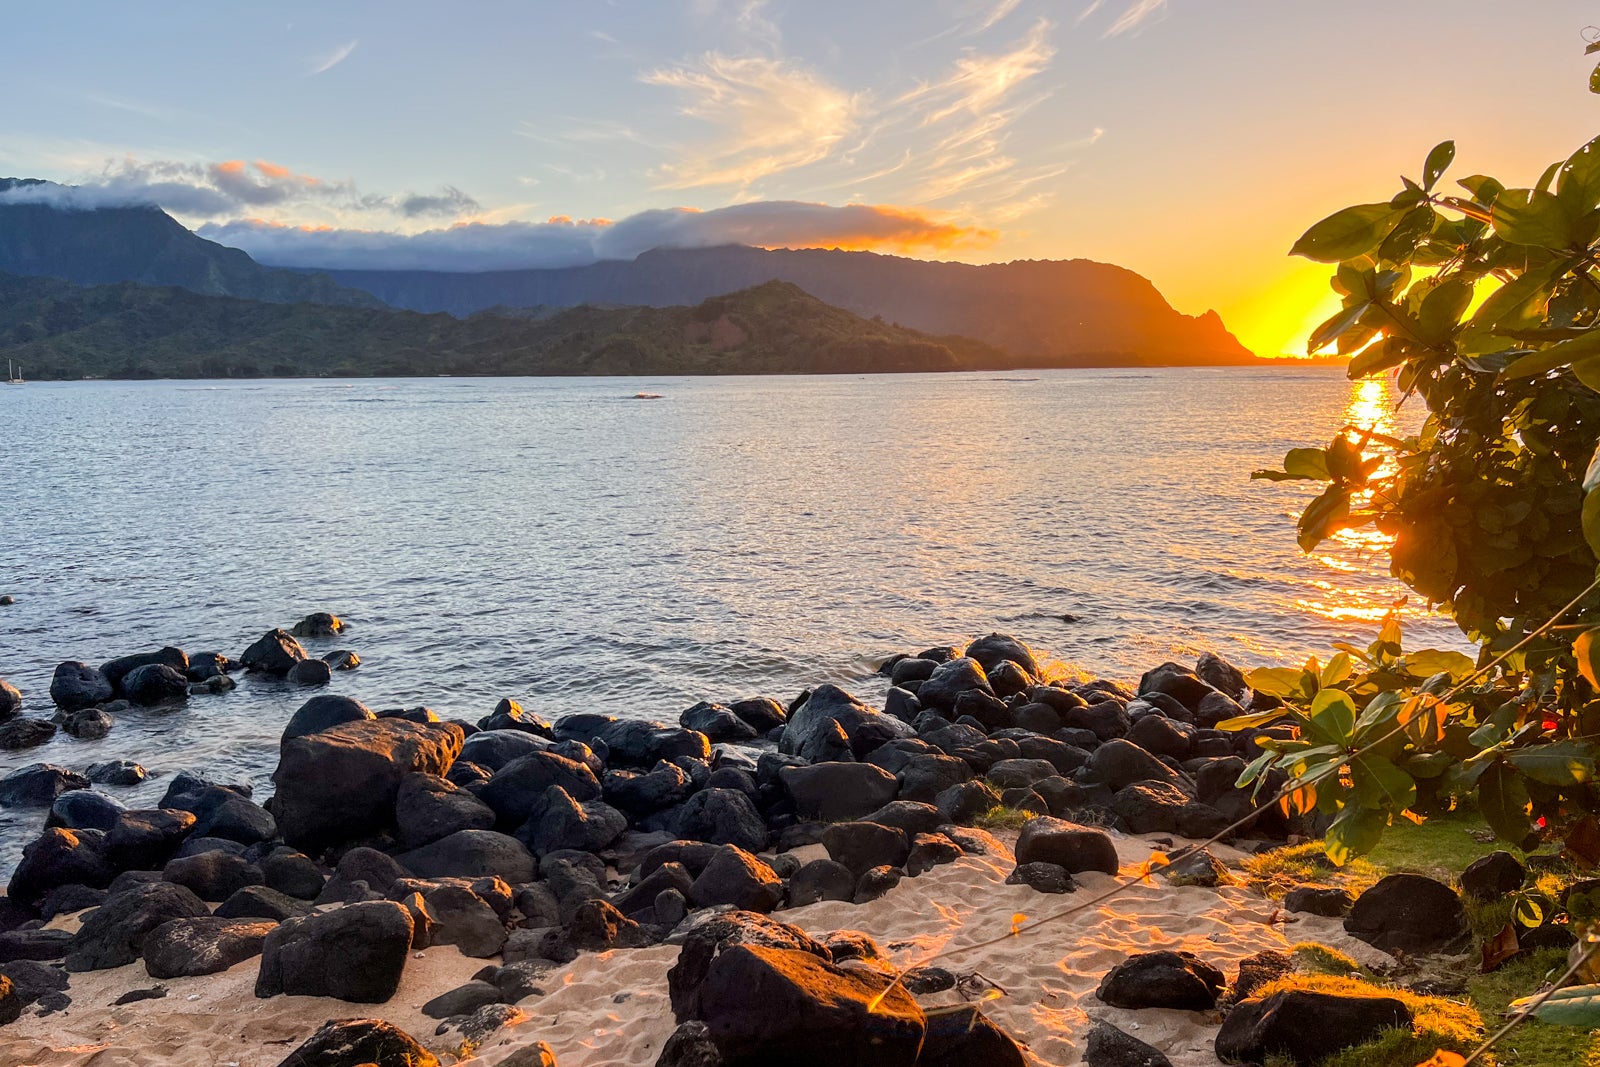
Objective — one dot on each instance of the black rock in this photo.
(354, 953)
(721, 817)
(1307, 1027)
(472, 854)
(1412, 914)
(597, 926)
(85, 809)
(275, 652)
(1109, 1047)
(465, 920)
(58, 857)
(115, 772)
(1042, 877)
(155, 683)
(510, 715)
(1176, 681)
(689, 1046)
(963, 1037)
(33, 979)
(38, 784)
(78, 685)
(963, 803)
(1198, 867)
(114, 933)
(1067, 845)
(1162, 980)
(34, 945)
(953, 678)
(814, 729)
(261, 902)
(429, 807)
(1318, 900)
(323, 713)
(1493, 876)
(762, 713)
(876, 882)
(821, 880)
(342, 659)
(213, 876)
(202, 945)
(517, 788)
(1220, 675)
(1119, 763)
(310, 672)
(145, 839)
(376, 870)
(834, 791)
(494, 749)
(734, 876)
(462, 1000)
(860, 846)
(924, 776)
(718, 723)
(1260, 969)
(352, 1042)
(704, 940)
(66, 899)
(930, 850)
(559, 822)
(292, 873)
(318, 624)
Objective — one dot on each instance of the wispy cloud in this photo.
(563, 242)
(1133, 16)
(333, 59)
(772, 116)
(998, 14)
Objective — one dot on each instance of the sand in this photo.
(612, 1008)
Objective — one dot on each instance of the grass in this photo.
(1001, 817)
(1437, 1024)
(1532, 1044)
(1313, 957)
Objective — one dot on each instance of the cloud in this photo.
(774, 116)
(998, 14)
(206, 190)
(1132, 17)
(565, 242)
(333, 59)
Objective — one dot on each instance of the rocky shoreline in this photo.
(514, 854)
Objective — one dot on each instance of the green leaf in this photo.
(1333, 716)
(1349, 233)
(1280, 682)
(1586, 650)
(1503, 802)
(1583, 347)
(1442, 308)
(1430, 661)
(1437, 162)
(1381, 711)
(1529, 912)
(1591, 520)
(1246, 722)
(1576, 1005)
(1591, 477)
(1341, 321)
(1563, 763)
(1355, 832)
(1380, 784)
(1337, 670)
(1533, 217)
(1324, 516)
(1377, 358)
(1578, 185)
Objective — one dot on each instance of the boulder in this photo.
(86, 724)
(354, 953)
(145, 839)
(860, 846)
(517, 788)
(85, 809)
(428, 807)
(1304, 1026)
(55, 858)
(1259, 970)
(705, 939)
(558, 822)
(1162, 980)
(1176, 681)
(1042, 877)
(66, 899)
(342, 659)
(38, 785)
(721, 817)
(1412, 914)
(472, 854)
(324, 713)
(275, 652)
(835, 791)
(78, 685)
(1493, 876)
(310, 672)
(10, 699)
(718, 723)
(735, 877)
(821, 880)
(1119, 763)
(462, 1000)
(945, 685)
(785, 1006)
(762, 713)
(342, 783)
(202, 945)
(925, 776)
(155, 683)
(1221, 675)
(465, 920)
(318, 624)
(930, 850)
(1067, 845)
(963, 1037)
(994, 649)
(34, 944)
(1109, 1047)
(597, 926)
(261, 902)
(114, 934)
(221, 812)
(829, 712)
(115, 772)
(357, 1042)
(292, 873)
(642, 795)
(1318, 900)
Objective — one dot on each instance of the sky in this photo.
(1189, 140)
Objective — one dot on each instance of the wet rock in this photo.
(318, 624)
(114, 934)
(1412, 914)
(1306, 1027)
(354, 953)
(762, 713)
(78, 685)
(510, 715)
(721, 817)
(950, 680)
(1162, 980)
(342, 783)
(1318, 900)
(1067, 845)
(155, 683)
(86, 724)
(323, 713)
(202, 945)
(472, 854)
(1493, 876)
(10, 699)
(353, 1042)
(310, 672)
(84, 809)
(58, 857)
(718, 723)
(775, 1005)
(223, 813)
(494, 749)
(1042, 877)
(342, 660)
(1109, 1047)
(115, 772)
(38, 785)
(736, 877)
(835, 791)
(275, 652)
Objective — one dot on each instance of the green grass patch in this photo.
(1437, 1023)
(1001, 817)
(1532, 1044)
(1313, 957)
(1275, 873)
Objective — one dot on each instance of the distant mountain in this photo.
(1042, 312)
(145, 245)
(58, 330)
